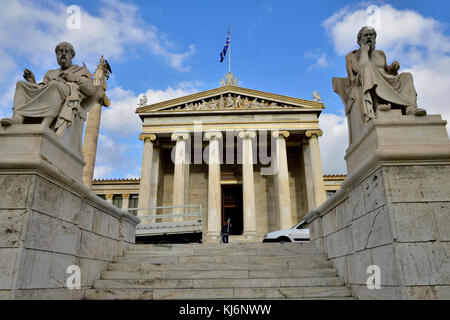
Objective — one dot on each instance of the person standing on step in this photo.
(226, 231)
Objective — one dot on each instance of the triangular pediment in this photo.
(228, 98)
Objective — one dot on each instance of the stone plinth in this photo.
(394, 137)
(392, 211)
(33, 145)
(49, 220)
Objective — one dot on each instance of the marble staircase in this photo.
(220, 271)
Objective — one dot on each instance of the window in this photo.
(117, 200)
(304, 225)
(102, 196)
(133, 203)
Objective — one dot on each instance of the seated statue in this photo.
(372, 85)
(58, 99)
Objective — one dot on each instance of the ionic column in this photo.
(109, 198)
(179, 172)
(316, 166)
(248, 184)
(308, 174)
(282, 176)
(90, 143)
(214, 191)
(155, 178)
(125, 201)
(146, 173)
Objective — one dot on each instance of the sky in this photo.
(167, 48)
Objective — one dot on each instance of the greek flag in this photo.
(225, 48)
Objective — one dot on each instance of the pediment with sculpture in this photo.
(231, 101)
(230, 98)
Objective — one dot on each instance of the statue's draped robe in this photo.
(54, 96)
(373, 77)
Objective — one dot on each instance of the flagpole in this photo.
(229, 54)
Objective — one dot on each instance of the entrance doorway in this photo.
(232, 208)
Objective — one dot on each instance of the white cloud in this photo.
(6, 100)
(111, 156)
(101, 172)
(417, 42)
(400, 30)
(120, 120)
(29, 30)
(133, 176)
(319, 57)
(432, 79)
(333, 143)
(110, 150)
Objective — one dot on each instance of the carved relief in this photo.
(230, 101)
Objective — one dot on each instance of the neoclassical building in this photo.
(249, 156)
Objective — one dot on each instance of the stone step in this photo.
(118, 294)
(272, 273)
(236, 293)
(220, 271)
(259, 245)
(272, 260)
(224, 249)
(219, 284)
(227, 252)
(292, 292)
(261, 265)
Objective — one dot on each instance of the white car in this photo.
(299, 232)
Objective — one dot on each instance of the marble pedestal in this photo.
(392, 211)
(393, 137)
(49, 220)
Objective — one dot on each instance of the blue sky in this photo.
(170, 48)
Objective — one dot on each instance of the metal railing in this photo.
(158, 223)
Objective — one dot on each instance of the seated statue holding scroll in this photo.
(58, 99)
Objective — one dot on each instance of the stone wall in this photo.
(393, 216)
(48, 224)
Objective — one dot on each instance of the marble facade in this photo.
(197, 144)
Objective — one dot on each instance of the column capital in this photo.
(109, 196)
(147, 137)
(125, 195)
(247, 134)
(277, 133)
(179, 136)
(213, 135)
(317, 133)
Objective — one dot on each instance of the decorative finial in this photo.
(142, 100)
(229, 80)
(317, 97)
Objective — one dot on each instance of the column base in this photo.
(250, 235)
(211, 237)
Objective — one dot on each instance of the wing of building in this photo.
(249, 156)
